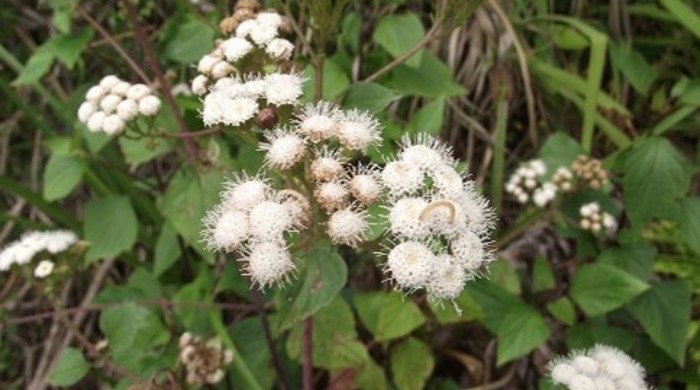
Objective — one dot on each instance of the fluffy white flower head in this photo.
(365, 188)
(44, 269)
(127, 109)
(409, 264)
(318, 122)
(109, 103)
(95, 94)
(30, 244)
(280, 49)
(199, 85)
(94, 123)
(402, 177)
(235, 48)
(327, 166)
(113, 124)
(269, 220)
(426, 152)
(138, 92)
(245, 193)
(283, 150)
(331, 195)
(85, 110)
(347, 227)
(357, 130)
(269, 263)
(149, 105)
(469, 250)
(109, 81)
(225, 229)
(447, 279)
(283, 89)
(405, 219)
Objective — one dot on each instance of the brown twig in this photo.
(308, 370)
(113, 42)
(262, 312)
(144, 41)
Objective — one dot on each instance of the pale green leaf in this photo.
(398, 34)
(110, 227)
(600, 288)
(70, 367)
(412, 363)
(61, 175)
(388, 315)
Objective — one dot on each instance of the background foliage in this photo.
(516, 80)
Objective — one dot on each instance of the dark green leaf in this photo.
(559, 150)
(37, 65)
(636, 259)
(110, 227)
(563, 310)
(412, 363)
(397, 34)
(432, 79)
(429, 118)
(62, 174)
(388, 315)
(69, 47)
(70, 367)
(191, 41)
(369, 96)
(664, 312)
(542, 276)
(250, 341)
(634, 66)
(690, 222)
(522, 330)
(322, 274)
(600, 288)
(167, 250)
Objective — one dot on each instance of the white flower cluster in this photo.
(525, 184)
(599, 368)
(30, 244)
(112, 103)
(594, 219)
(253, 219)
(563, 178)
(256, 37)
(342, 192)
(439, 222)
(233, 101)
(203, 360)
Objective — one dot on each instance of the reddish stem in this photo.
(308, 370)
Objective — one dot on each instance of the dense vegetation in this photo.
(608, 253)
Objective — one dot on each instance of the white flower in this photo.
(327, 166)
(244, 193)
(447, 279)
(113, 124)
(364, 187)
(109, 103)
(222, 69)
(268, 263)
(44, 269)
(318, 122)
(405, 219)
(426, 152)
(137, 92)
(599, 368)
(30, 244)
(246, 28)
(149, 105)
(235, 48)
(94, 123)
(269, 220)
(331, 195)
(478, 213)
(272, 19)
(542, 196)
(127, 109)
(347, 227)
(444, 217)
(59, 240)
(538, 167)
(199, 84)
(109, 81)
(357, 130)
(409, 264)
(401, 177)
(218, 108)
(469, 250)
(283, 149)
(447, 181)
(95, 94)
(254, 87)
(225, 229)
(283, 89)
(206, 63)
(263, 33)
(280, 49)
(86, 110)
(121, 88)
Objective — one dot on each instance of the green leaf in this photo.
(429, 118)
(139, 151)
(69, 47)
(447, 314)
(432, 79)
(110, 227)
(664, 312)
(398, 34)
(388, 315)
(335, 80)
(167, 250)
(70, 367)
(559, 150)
(586, 335)
(542, 276)
(253, 349)
(62, 174)
(37, 65)
(685, 15)
(188, 197)
(635, 258)
(519, 327)
(412, 363)
(192, 40)
(522, 330)
(600, 288)
(690, 222)
(634, 66)
(369, 96)
(568, 38)
(655, 174)
(563, 310)
(322, 275)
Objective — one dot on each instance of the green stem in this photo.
(239, 365)
(499, 150)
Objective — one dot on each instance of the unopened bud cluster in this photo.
(254, 219)
(526, 184)
(439, 224)
(204, 360)
(599, 368)
(590, 170)
(594, 219)
(110, 105)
